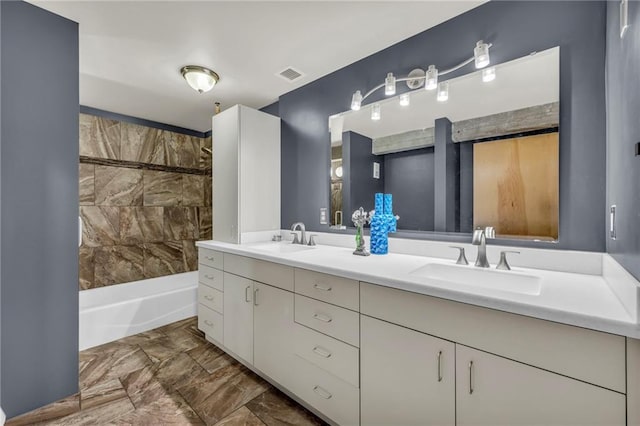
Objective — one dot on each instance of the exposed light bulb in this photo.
(405, 99)
(390, 85)
(431, 78)
(481, 54)
(375, 112)
(443, 91)
(356, 101)
(489, 74)
(339, 171)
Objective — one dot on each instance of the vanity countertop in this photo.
(570, 298)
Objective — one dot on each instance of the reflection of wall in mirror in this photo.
(516, 186)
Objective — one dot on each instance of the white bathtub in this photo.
(113, 312)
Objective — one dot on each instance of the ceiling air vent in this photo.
(290, 74)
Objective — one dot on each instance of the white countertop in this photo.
(570, 298)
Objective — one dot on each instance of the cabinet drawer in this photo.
(211, 277)
(328, 288)
(210, 322)
(587, 355)
(335, 321)
(258, 270)
(210, 258)
(331, 396)
(210, 297)
(331, 355)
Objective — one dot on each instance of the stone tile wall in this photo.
(145, 198)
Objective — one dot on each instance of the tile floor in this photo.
(170, 376)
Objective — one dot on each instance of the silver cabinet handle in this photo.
(255, 297)
(323, 317)
(209, 298)
(319, 350)
(440, 366)
(209, 323)
(470, 377)
(319, 287)
(246, 294)
(322, 392)
(210, 258)
(209, 277)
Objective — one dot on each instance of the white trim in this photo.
(623, 284)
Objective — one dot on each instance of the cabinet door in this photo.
(492, 391)
(238, 316)
(273, 332)
(407, 378)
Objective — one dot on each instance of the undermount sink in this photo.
(470, 276)
(282, 247)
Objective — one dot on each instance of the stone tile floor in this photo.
(169, 376)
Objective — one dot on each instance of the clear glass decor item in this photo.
(360, 218)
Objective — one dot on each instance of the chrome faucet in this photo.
(480, 239)
(303, 238)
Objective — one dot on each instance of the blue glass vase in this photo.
(382, 222)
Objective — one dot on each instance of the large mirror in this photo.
(485, 156)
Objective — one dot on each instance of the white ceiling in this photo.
(131, 52)
(524, 82)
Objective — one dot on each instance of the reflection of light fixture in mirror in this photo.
(200, 79)
(356, 100)
(339, 171)
(489, 74)
(481, 54)
(405, 99)
(375, 111)
(390, 85)
(431, 78)
(443, 91)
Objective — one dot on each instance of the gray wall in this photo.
(38, 209)
(623, 132)
(359, 185)
(409, 176)
(515, 29)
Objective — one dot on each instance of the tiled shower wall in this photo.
(145, 198)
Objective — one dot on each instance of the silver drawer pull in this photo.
(323, 317)
(210, 258)
(319, 287)
(440, 366)
(322, 392)
(319, 350)
(209, 323)
(246, 294)
(209, 277)
(470, 377)
(209, 298)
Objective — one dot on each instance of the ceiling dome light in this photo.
(481, 54)
(356, 101)
(431, 77)
(200, 79)
(390, 85)
(489, 74)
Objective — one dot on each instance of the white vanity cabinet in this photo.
(238, 308)
(246, 173)
(211, 294)
(408, 378)
(491, 390)
(272, 332)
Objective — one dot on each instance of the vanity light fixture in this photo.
(488, 74)
(431, 78)
(390, 85)
(375, 112)
(356, 100)
(405, 99)
(481, 54)
(200, 79)
(418, 77)
(443, 91)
